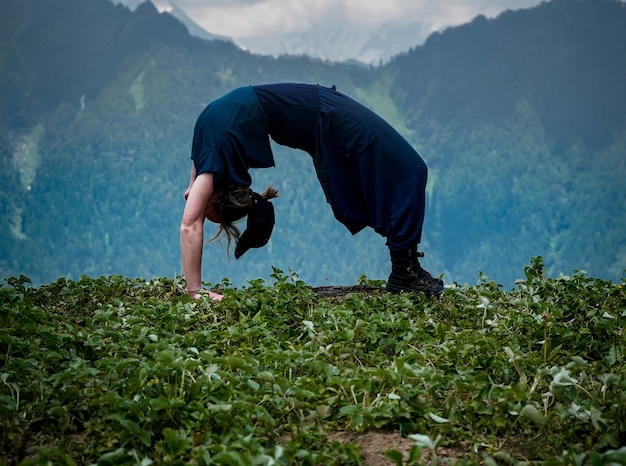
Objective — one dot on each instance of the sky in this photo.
(243, 19)
(370, 31)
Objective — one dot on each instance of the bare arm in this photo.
(192, 178)
(192, 232)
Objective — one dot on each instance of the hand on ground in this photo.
(206, 293)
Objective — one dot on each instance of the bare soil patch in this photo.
(342, 291)
(373, 446)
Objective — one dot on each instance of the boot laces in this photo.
(420, 272)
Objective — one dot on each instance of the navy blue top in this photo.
(370, 174)
(230, 137)
(292, 113)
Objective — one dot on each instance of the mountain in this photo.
(520, 119)
(58, 51)
(169, 7)
(345, 42)
(531, 99)
(563, 58)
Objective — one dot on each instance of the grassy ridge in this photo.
(122, 371)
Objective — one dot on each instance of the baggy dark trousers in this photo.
(370, 174)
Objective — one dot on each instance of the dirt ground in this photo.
(342, 291)
(373, 446)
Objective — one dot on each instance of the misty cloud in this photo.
(247, 18)
(365, 30)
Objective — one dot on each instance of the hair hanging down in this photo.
(232, 204)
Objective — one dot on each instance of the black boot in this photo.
(408, 275)
(415, 254)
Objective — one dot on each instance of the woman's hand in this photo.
(198, 295)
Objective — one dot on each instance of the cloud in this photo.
(252, 18)
(241, 19)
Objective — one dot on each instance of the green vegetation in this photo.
(127, 371)
(377, 97)
(520, 119)
(27, 157)
(137, 92)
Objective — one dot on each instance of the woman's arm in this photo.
(192, 233)
(192, 178)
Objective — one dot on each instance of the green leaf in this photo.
(531, 412)
(145, 437)
(424, 441)
(395, 456)
(112, 458)
(174, 444)
(415, 455)
(438, 419)
(563, 379)
(616, 456)
(130, 426)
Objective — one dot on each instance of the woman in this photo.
(371, 175)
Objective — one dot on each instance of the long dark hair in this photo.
(232, 204)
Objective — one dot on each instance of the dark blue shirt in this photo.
(230, 137)
(370, 174)
(292, 112)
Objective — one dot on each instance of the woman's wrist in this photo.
(202, 293)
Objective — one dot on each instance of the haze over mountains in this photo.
(335, 39)
(520, 118)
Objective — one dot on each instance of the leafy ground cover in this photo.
(114, 370)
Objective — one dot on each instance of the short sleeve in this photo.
(230, 137)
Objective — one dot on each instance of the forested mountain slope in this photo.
(521, 119)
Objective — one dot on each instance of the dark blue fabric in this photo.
(230, 137)
(370, 174)
(292, 112)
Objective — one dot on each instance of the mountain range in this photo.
(345, 42)
(172, 9)
(520, 118)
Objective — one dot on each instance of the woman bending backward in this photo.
(371, 175)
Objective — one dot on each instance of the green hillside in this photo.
(523, 121)
(520, 119)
